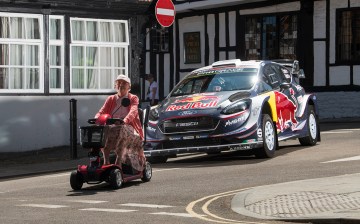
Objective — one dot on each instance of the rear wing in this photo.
(293, 65)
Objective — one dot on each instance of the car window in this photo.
(217, 81)
(272, 75)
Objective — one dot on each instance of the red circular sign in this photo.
(165, 12)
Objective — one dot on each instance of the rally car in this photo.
(233, 105)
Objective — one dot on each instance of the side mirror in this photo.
(301, 74)
(285, 85)
(295, 68)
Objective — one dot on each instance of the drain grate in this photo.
(303, 203)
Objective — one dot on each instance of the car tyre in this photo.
(76, 180)
(312, 127)
(269, 138)
(115, 178)
(147, 172)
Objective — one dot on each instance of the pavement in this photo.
(327, 200)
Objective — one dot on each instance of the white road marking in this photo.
(187, 215)
(343, 160)
(87, 201)
(106, 210)
(336, 132)
(146, 205)
(43, 206)
(166, 169)
(58, 175)
(165, 12)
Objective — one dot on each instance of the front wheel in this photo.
(147, 172)
(312, 127)
(76, 180)
(269, 138)
(115, 178)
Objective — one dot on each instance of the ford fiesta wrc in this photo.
(233, 105)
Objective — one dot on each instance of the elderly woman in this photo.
(125, 139)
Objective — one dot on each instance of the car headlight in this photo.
(154, 114)
(237, 107)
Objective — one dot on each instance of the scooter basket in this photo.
(92, 136)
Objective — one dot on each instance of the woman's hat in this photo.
(123, 77)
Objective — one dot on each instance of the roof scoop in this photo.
(233, 62)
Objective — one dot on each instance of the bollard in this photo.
(73, 129)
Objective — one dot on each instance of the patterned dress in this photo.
(127, 145)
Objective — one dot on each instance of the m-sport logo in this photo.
(188, 124)
(186, 113)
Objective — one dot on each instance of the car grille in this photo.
(193, 124)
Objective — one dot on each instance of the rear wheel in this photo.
(313, 129)
(115, 178)
(269, 138)
(147, 172)
(76, 180)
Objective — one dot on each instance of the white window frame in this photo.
(59, 43)
(113, 45)
(27, 42)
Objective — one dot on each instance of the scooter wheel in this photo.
(147, 172)
(76, 180)
(115, 178)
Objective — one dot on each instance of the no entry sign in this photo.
(165, 12)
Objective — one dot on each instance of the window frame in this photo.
(254, 36)
(60, 43)
(338, 57)
(98, 44)
(27, 42)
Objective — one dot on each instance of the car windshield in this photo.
(217, 81)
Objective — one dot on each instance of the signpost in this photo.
(165, 12)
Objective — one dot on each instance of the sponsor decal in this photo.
(259, 133)
(174, 138)
(240, 147)
(188, 124)
(188, 137)
(201, 136)
(286, 110)
(195, 105)
(235, 121)
(187, 113)
(249, 141)
(196, 98)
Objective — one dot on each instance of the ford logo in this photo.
(187, 113)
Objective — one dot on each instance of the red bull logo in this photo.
(196, 99)
(286, 110)
(193, 105)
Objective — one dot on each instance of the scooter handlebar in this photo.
(108, 121)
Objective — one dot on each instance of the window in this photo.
(270, 37)
(56, 54)
(348, 41)
(160, 40)
(98, 52)
(21, 53)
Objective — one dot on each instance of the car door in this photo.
(285, 97)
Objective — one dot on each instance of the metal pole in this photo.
(73, 129)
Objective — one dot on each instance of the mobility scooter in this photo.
(92, 138)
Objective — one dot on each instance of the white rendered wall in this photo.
(319, 63)
(319, 19)
(36, 122)
(339, 75)
(356, 76)
(191, 24)
(211, 35)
